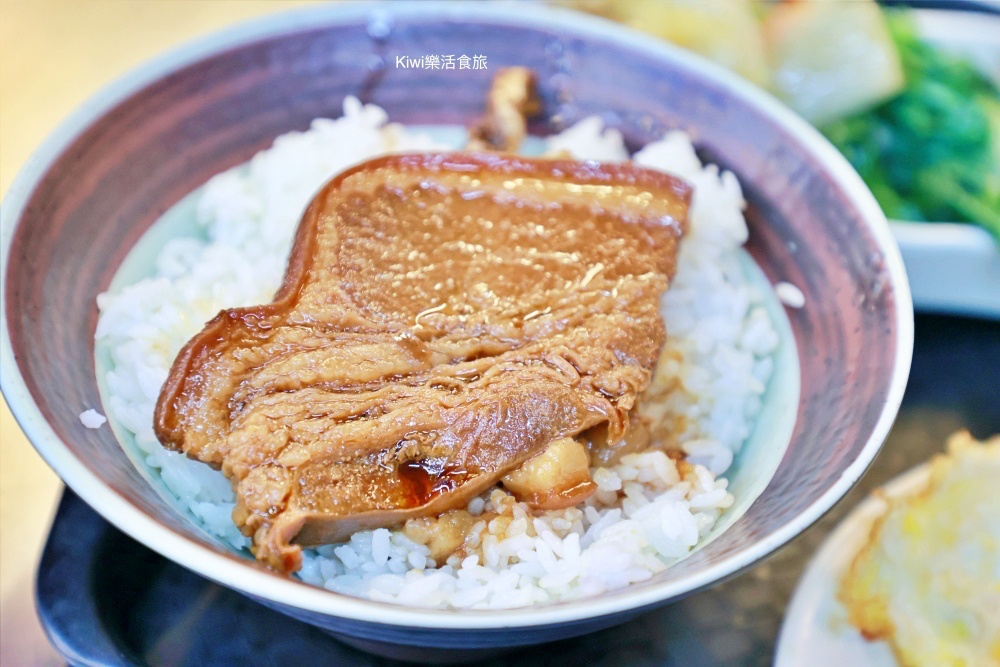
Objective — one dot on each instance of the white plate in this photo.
(815, 631)
(955, 268)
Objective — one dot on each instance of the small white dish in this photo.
(953, 268)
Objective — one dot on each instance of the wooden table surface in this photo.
(54, 54)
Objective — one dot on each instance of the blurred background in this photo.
(53, 55)
(911, 101)
(908, 97)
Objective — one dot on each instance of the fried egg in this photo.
(928, 580)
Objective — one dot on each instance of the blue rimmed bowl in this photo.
(109, 172)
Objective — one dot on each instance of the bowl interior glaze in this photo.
(140, 146)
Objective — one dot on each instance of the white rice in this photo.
(790, 295)
(92, 418)
(648, 511)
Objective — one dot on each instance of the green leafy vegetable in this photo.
(931, 152)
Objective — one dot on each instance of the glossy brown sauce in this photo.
(426, 479)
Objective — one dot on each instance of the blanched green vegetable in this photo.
(930, 153)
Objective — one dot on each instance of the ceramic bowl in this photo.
(143, 143)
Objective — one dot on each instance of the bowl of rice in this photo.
(176, 192)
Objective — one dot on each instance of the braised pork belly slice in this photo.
(445, 318)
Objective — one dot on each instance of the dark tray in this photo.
(104, 599)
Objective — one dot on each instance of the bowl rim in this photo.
(276, 588)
